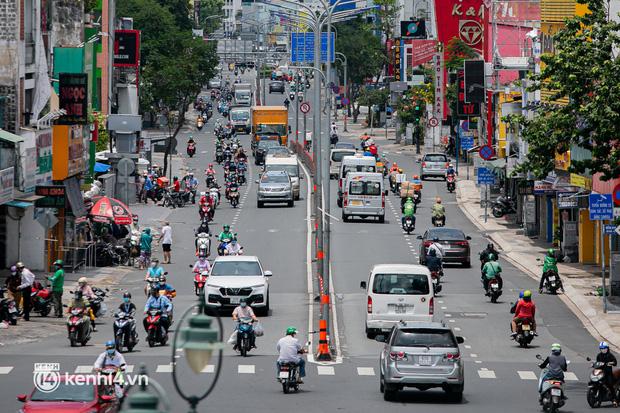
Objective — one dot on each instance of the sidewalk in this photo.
(355, 130)
(580, 281)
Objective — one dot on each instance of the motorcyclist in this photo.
(491, 270)
(525, 311)
(233, 247)
(408, 211)
(450, 170)
(606, 357)
(162, 285)
(79, 302)
(190, 181)
(437, 247)
(290, 351)
(433, 262)
(155, 271)
(243, 310)
(554, 366)
(111, 357)
(204, 227)
(158, 302)
(334, 129)
(127, 306)
(550, 266)
(201, 265)
(85, 289)
(226, 234)
(438, 210)
(484, 254)
(210, 171)
(176, 184)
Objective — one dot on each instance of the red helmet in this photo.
(210, 165)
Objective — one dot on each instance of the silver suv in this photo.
(274, 186)
(421, 355)
(435, 165)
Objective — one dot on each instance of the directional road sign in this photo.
(304, 107)
(486, 152)
(302, 47)
(611, 229)
(467, 142)
(601, 207)
(486, 176)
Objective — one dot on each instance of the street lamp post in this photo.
(346, 86)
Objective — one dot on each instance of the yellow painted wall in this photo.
(599, 227)
(586, 237)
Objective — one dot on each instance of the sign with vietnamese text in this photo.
(73, 98)
(302, 47)
(7, 179)
(567, 200)
(126, 48)
(53, 196)
(601, 207)
(438, 74)
(462, 107)
(486, 176)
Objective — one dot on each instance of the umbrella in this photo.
(109, 210)
(101, 167)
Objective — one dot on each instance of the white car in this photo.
(234, 277)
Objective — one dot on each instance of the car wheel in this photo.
(381, 385)
(381, 219)
(290, 204)
(339, 202)
(264, 311)
(389, 392)
(455, 393)
(259, 204)
(345, 217)
(422, 177)
(467, 264)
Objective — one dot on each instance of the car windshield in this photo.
(266, 144)
(276, 150)
(423, 337)
(338, 155)
(274, 179)
(240, 115)
(345, 145)
(229, 268)
(358, 168)
(276, 83)
(66, 392)
(242, 93)
(446, 234)
(436, 158)
(409, 284)
(364, 188)
(263, 129)
(292, 170)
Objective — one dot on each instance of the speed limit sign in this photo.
(304, 107)
(432, 122)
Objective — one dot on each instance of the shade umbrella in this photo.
(110, 211)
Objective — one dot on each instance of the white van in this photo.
(335, 160)
(288, 163)
(363, 196)
(354, 163)
(397, 292)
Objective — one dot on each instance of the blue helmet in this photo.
(603, 345)
(110, 344)
(521, 294)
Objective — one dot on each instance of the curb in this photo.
(599, 329)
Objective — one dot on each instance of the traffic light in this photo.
(417, 112)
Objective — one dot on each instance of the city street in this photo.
(498, 374)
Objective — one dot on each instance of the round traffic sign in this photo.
(486, 152)
(345, 101)
(304, 107)
(616, 195)
(432, 122)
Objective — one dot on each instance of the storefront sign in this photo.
(420, 52)
(7, 179)
(438, 74)
(69, 151)
(581, 181)
(542, 187)
(30, 169)
(126, 48)
(525, 187)
(463, 108)
(397, 62)
(44, 157)
(567, 200)
(73, 98)
(54, 196)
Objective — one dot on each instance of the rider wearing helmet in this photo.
(85, 289)
(491, 270)
(553, 366)
(127, 306)
(450, 170)
(112, 358)
(609, 361)
(290, 351)
(225, 234)
(233, 247)
(550, 267)
(79, 301)
(408, 211)
(484, 254)
(525, 311)
(243, 310)
(438, 210)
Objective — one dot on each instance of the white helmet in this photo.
(203, 193)
(82, 280)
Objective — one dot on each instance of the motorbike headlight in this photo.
(596, 377)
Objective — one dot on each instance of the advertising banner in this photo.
(438, 73)
(126, 48)
(44, 157)
(7, 178)
(73, 98)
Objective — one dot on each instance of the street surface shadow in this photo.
(414, 396)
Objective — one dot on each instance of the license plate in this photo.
(526, 327)
(556, 392)
(552, 278)
(425, 360)
(356, 203)
(494, 286)
(399, 309)
(284, 375)
(434, 280)
(235, 300)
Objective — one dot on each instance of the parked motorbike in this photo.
(173, 199)
(41, 299)
(8, 308)
(439, 221)
(503, 205)
(552, 393)
(78, 327)
(106, 254)
(246, 331)
(493, 290)
(191, 150)
(408, 225)
(125, 334)
(156, 334)
(598, 391)
(450, 183)
(525, 335)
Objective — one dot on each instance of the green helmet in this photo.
(291, 331)
(409, 199)
(556, 347)
(226, 227)
(58, 262)
(551, 252)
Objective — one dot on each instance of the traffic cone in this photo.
(323, 353)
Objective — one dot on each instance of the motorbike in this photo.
(41, 299)
(192, 194)
(287, 375)
(191, 150)
(291, 97)
(436, 278)
(246, 330)
(233, 197)
(173, 199)
(408, 225)
(78, 327)
(107, 254)
(210, 180)
(493, 290)
(503, 205)
(241, 178)
(219, 155)
(333, 139)
(214, 193)
(222, 247)
(156, 334)
(552, 283)
(598, 391)
(8, 308)
(450, 183)
(186, 195)
(200, 280)
(134, 247)
(200, 123)
(525, 335)
(203, 242)
(552, 393)
(439, 221)
(125, 334)
(205, 211)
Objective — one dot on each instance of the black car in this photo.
(261, 150)
(276, 86)
(454, 242)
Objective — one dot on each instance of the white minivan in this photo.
(397, 292)
(354, 163)
(335, 160)
(363, 196)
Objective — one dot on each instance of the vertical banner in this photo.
(438, 71)
(397, 61)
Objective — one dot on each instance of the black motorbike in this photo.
(503, 205)
(125, 334)
(96, 303)
(219, 155)
(8, 308)
(493, 290)
(552, 282)
(246, 331)
(439, 221)
(107, 254)
(598, 391)
(409, 225)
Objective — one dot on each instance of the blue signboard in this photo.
(344, 5)
(302, 47)
(467, 142)
(601, 207)
(610, 229)
(486, 176)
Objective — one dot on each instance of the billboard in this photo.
(73, 98)
(126, 48)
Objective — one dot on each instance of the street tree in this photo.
(583, 75)
(210, 8)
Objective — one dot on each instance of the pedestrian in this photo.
(27, 278)
(147, 187)
(58, 282)
(166, 241)
(145, 248)
(12, 284)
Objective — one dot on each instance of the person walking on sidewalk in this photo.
(145, 247)
(58, 282)
(27, 279)
(166, 241)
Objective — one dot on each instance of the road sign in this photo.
(467, 142)
(601, 207)
(616, 195)
(302, 47)
(611, 229)
(486, 176)
(304, 107)
(432, 122)
(345, 101)
(486, 152)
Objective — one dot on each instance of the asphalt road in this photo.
(498, 373)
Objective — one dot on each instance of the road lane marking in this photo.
(486, 374)
(527, 375)
(444, 307)
(325, 370)
(570, 376)
(246, 369)
(210, 368)
(457, 328)
(5, 370)
(473, 355)
(164, 368)
(83, 369)
(129, 368)
(467, 346)
(365, 371)
(309, 261)
(448, 314)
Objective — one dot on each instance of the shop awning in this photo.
(10, 137)
(19, 204)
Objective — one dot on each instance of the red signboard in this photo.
(421, 51)
(463, 108)
(126, 48)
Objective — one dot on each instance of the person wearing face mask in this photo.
(155, 270)
(606, 356)
(127, 306)
(111, 358)
(243, 310)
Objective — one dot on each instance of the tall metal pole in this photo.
(346, 86)
(299, 97)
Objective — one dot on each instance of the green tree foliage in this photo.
(584, 70)
(210, 8)
(180, 10)
(457, 51)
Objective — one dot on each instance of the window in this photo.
(408, 284)
(274, 179)
(446, 234)
(372, 188)
(279, 130)
(66, 392)
(423, 337)
(229, 268)
(358, 168)
(292, 170)
(240, 115)
(435, 158)
(337, 156)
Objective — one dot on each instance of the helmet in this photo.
(58, 262)
(20, 265)
(210, 165)
(450, 165)
(527, 294)
(127, 295)
(13, 268)
(154, 292)
(110, 344)
(438, 200)
(243, 300)
(416, 176)
(556, 347)
(400, 170)
(226, 227)
(155, 260)
(521, 294)
(492, 257)
(176, 178)
(551, 252)
(602, 345)
(191, 174)
(291, 331)
(82, 280)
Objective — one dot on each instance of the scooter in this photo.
(598, 391)
(525, 335)
(203, 244)
(233, 197)
(408, 225)
(552, 392)
(41, 299)
(200, 123)
(200, 279)
(156, 334)
(450, 183)
(246, 331)
(222, 247)
(78, 327)
(436, 279)
(96, 304)
(503, 205)
(125, 334)
(493, 290)
(552, 282)
(8, 309)
(205, 211)
(191, 150)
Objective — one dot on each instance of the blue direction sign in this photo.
(610, 229)
(467, 142)
(486, 176)
(302, 47)
(601, 207)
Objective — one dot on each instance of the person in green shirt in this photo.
(408, 211)
(226, 234)
(491, 270)
(145, 248)
(550, 267)
(58, 281)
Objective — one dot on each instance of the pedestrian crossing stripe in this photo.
(5, 370)
(527, 375)
(486, 374)
(83, 369)
(325, 370)
(209, 368)
(365, 371)
(246, 369)
(164, 368)
(570, 376)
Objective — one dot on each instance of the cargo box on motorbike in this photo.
(163, 182)
(406, 192)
